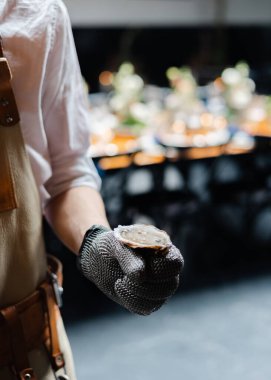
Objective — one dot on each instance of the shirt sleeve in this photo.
(65, 112)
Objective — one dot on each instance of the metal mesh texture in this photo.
(140, 281)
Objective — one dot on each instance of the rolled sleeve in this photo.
(65, 113)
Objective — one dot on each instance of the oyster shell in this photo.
(143, 236)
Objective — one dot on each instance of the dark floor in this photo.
(218, 333)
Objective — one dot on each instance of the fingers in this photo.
(135, 303)
(131, 263)
(165, 267)
(107, 275)
(139, 267)
(149, 291)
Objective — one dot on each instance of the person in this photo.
(45, 169)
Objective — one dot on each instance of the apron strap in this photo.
(1, 48)
(9, 115)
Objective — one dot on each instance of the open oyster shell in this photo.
(143, 236)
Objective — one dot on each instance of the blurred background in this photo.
(180, 131)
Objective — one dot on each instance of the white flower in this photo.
(231, 77)
(118, 103)
(239, 98)
(140, 111)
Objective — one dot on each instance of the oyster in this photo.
(143, 236)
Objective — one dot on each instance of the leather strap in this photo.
(51, 297)
(55, 266)
(17, 343)
(31, 314)
(9, 114)
(1, 47)
(28, 324)
(57, 358)
(8, 200)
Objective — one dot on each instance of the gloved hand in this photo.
(142, 284)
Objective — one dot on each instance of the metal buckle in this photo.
(58, 290)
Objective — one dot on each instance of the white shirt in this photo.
(47, 83)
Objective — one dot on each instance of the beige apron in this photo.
(22, 253)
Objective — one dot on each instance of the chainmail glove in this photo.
(140, 283)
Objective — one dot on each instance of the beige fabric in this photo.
(22, 252)
(22, 258)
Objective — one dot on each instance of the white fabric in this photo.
(52, 103)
